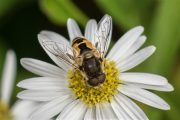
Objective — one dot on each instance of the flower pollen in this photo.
(93, 95)
(4, 111)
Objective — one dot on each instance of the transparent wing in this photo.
(103, 35)
(61, 51)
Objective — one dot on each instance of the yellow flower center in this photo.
(4, 111)
(93, 95)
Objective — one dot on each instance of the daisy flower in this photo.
(21, 109)
(70, 91)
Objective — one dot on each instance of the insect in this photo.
(85, 55)
(89, 61)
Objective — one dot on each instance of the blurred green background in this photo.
(22, 20)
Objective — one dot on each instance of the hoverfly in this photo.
(85, 55)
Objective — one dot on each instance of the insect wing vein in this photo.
(62, 52)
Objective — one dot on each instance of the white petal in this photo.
(103, 34)
(43, 83)
(134, 47)
(37, 95)
(136, 58)
(52, 108)
(21, 110)
(44, 37)
(130, 107)
(8, 76)
(52, 36)
(125, 42)
(74, 111)
(107, 112)
(98, 112)
(167, 88)
(90, 30)
(42, 68)
(144, 78)
(73, 29)
(144, 96)
(119, 111)
(90, 114)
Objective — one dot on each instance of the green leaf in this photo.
(173, 101)
(6, 5)
(154, 114)
(58, 11)
(127, 13)
(2, 56)
(165, 35)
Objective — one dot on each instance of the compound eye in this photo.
(101, 78)
(93, 82)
